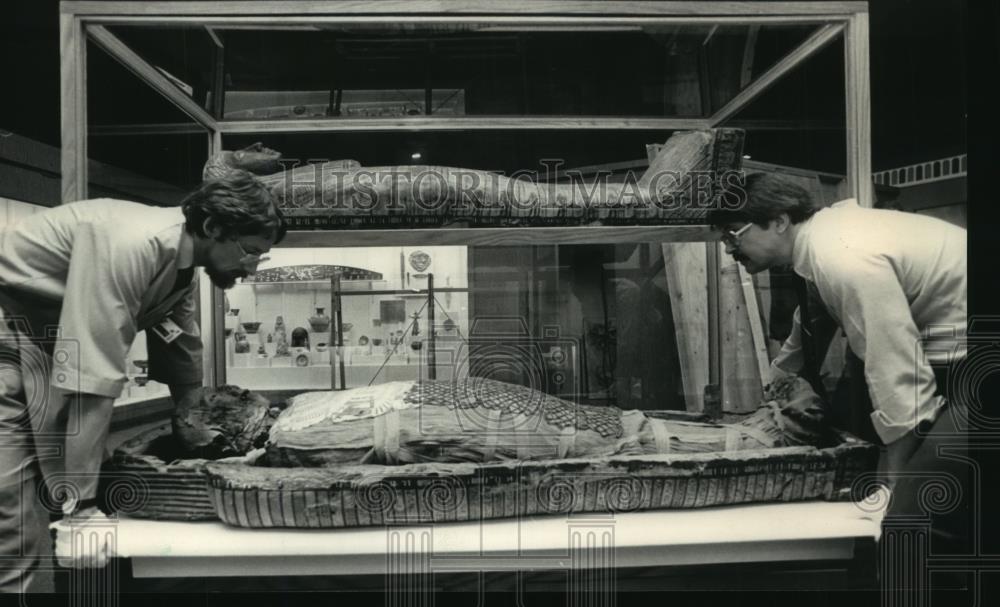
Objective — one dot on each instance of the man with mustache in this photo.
(895, 282)
(77, 283)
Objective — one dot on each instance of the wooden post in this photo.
(336, 330)
(684, 265)
(749, 50)
(215, 313)
(716, 364)
(73, 110)
(218, 76)
(741, 381)
(431, 358)
(756, 325)
(857, 83)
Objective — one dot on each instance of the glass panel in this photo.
(736, 55)
(186, 56)
(550, 153)
(147, 150)
(142, 149)
(797, 130)
(471, 69)
(592, 324)
(282, 321)
(801, 120)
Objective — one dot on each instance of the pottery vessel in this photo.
(320, 323)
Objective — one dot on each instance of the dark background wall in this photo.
(918, 67)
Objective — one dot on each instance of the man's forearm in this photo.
(185, 395)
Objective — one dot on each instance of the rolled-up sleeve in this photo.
(866, 293)
(106, 279)
(180, 361)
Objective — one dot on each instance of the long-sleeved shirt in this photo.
(101, 270)
(896, 284)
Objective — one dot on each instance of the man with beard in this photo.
(77, 282)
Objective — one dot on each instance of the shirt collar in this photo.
(801, 245)
(800, 248)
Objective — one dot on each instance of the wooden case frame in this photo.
(83, 20)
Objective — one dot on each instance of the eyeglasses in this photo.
(248, 257)
(732, 238)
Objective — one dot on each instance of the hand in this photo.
(248, 460)
(84, 539)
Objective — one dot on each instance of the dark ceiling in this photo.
(918, 68)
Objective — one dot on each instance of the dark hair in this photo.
(762, 197)
(238, 203)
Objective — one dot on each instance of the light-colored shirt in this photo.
(101, 270)
(896, 284)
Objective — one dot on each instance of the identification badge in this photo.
(167, 330)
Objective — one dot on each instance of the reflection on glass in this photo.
(541, 155)
(331, 318)
(475, 69)
(592, 324)
(146, 150)
(801, 121)
(184, 55)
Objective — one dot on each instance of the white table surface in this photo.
(732, 534)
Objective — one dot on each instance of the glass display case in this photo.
(346, 318)
(640, 314)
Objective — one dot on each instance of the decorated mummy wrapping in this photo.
(482, 420)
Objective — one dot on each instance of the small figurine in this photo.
(280, 338)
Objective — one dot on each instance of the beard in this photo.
(224, 279)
